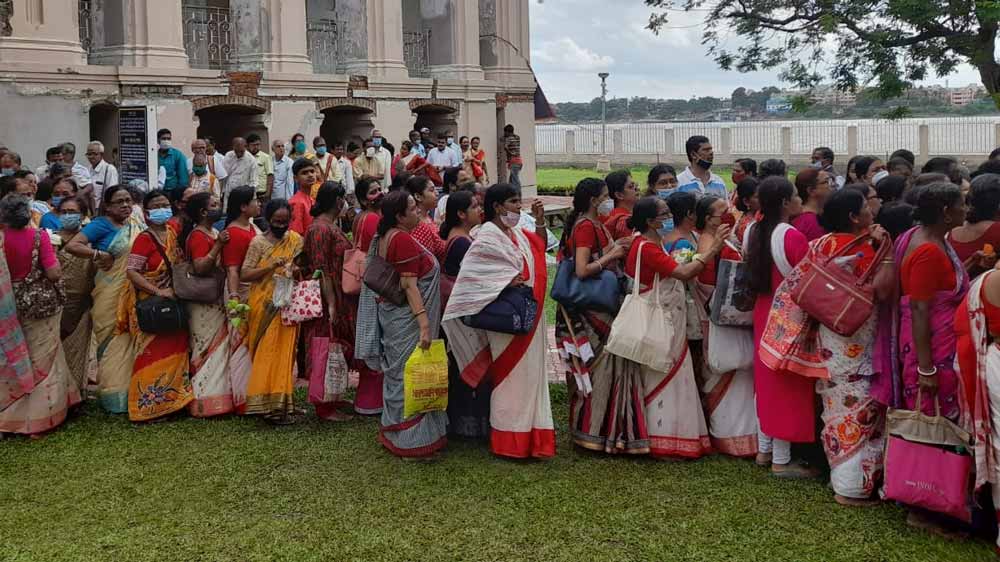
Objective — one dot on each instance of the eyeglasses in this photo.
(120, 202)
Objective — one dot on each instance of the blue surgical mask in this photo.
(56, 200)
(70, 221)
(377, 141)
(199, 170)
(667, 228)
(664, 194)
(321, 151)
(300, 147)
(160, 216)
(7, 171)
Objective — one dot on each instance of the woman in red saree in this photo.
(785, 404)
(409, 161)
(475, 159)
(368, 398)
(502, 255)
(622, 195)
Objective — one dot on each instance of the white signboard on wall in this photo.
(137, 144)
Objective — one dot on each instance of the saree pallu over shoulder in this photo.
(271, 344)
(521, 423)
(17, 376)
(115, 352)
(386, 336)
(160, 383)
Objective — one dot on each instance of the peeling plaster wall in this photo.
(29, 125)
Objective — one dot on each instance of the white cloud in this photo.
(565, 54)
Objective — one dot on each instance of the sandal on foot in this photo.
(763, 459)
(794, 470)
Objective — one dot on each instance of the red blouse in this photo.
(235, 251)
(587, 235)
(198, 244)
(926, 271)
(145, 256)
(407, 256)
(965, 250)
(654, 260)
(427, 235)
(616, 223)
(365, 228)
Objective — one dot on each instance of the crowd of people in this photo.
(742, 378)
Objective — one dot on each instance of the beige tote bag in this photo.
(641, 332)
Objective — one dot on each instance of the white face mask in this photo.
(165, 144)
(511, 219)
(605, 208)
(879, 177)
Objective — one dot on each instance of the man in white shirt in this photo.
(442, 157)
(52, 155)
(346, 166)
(215, 160)
(450, 139)
(102, 173)
(241, 165)
(697, 178)
(81, 175)
(284, 179)
(382, 154)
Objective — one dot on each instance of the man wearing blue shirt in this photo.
(173, 161)
(697, 178)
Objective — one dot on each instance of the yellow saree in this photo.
(271, 344)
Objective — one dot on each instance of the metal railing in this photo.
(954, 136)
(417, 52)
(86, 12)
(323, 41)
(209, 37)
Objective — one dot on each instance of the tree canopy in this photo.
(884, 44)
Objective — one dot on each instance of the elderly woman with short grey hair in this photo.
(35, 389)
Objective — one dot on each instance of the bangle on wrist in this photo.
(421, 311)
(932, 372)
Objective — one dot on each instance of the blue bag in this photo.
(601, 292)
(513, 312)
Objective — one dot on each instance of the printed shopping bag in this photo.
(425, 380)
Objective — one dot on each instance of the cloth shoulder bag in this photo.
(641, 332)
(927, 462)
(189, 286)
(381, 277)
(354, 265)
(835, 296)
(601, 292)
(36, 296)
(732, 301)
(513, 312)
(306, 303)
(160, 315)
(730, 348)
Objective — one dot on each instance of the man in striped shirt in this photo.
(512, 146)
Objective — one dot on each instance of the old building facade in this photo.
(224, 68)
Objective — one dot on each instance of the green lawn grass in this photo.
(231, 489)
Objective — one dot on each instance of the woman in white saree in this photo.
(503, 255)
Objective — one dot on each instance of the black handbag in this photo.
(381, 277)
(513, 312)
(159, 315)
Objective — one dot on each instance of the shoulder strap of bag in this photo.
(163, 252)
(746, 235)
(778, 249)
(388, 241)
(329, 166)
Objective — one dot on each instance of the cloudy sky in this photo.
(573, 40)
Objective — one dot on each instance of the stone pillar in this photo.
(464, 38)
(385, 42)
(668, 142)
(996, 135)
(571, 141)
(924, 153)
(144, 33)
(786, 144)
(726, 144)
(852, 141)
(617, 141)
(41, 33)
(508, 51)
(271, 35)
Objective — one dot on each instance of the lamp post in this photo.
(604, 110)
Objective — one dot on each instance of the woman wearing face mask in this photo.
(516, 398)
(662, 180)
(814, 188)
(271, 344)
(728, 396)
(388, 334)
(426, 232)
(597, 380)
(106, 241)
(159, 384)
(78, 281)
(368, 398)
(748, 205)
(300, 149)
(203, 245)
(242, 210)
(867, 169)
(323, 250)
(669, 401)
(785, 404)
(60, 190)
(37, 390)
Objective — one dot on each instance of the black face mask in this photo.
(278, 231)
(215, 216)
(704, 164)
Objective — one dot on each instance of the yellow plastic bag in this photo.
(425, 381)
